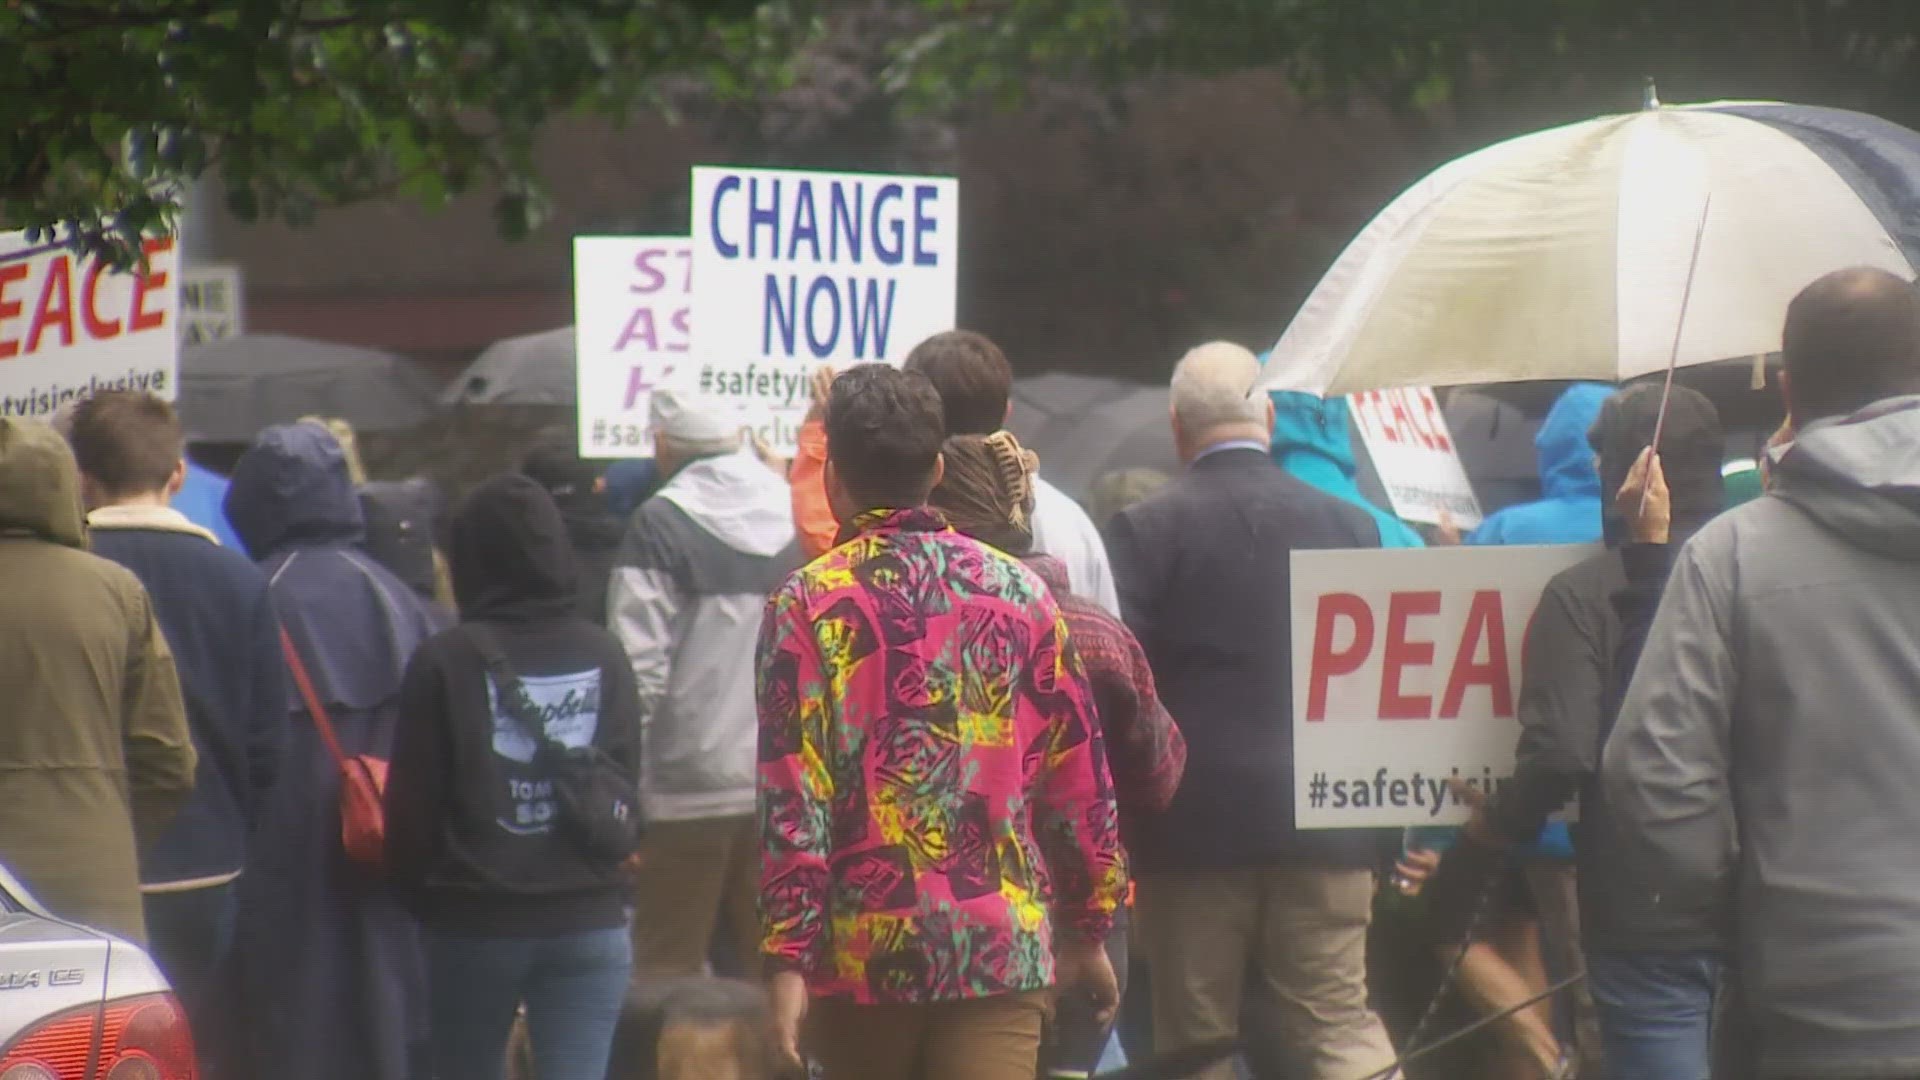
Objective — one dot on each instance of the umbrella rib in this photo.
(1679, 329)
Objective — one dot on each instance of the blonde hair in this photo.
(343, 434)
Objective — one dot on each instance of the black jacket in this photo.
(1579, 655)
(473, 832)
(218, 618)
(1204, 582)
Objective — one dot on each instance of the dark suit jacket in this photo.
(1202, 570)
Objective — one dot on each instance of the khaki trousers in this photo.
(991, 1038)
(692, 875)
(1305, 932)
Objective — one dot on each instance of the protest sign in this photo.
(797, 269)
(210, 304)
(1407, 437)
(632, 328)
(1406, 672)
(70, 326)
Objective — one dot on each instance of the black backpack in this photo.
(399, 524)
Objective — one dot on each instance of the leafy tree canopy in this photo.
(306, 103)
(300, 104)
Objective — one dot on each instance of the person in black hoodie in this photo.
(514, 908)
(1654, 976)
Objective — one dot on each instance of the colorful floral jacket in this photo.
(934, 793)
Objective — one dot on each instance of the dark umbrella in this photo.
(232, 388)
(533, 369)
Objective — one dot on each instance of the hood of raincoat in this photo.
(1313, 441)
(744, 504)
(39, 485)
(509, 553)
(291, 487)
(1561, 449)
(1860, 477)
(1691, 447)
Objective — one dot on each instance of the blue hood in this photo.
(291, 488)
(1561, 449)
(1312, 440)
(201, 499)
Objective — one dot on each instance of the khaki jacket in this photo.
(95, 754)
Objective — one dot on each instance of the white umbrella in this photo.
(1565, 254)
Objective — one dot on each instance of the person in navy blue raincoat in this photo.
(329, 963)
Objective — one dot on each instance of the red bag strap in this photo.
(307, 694)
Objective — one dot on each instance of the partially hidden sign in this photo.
(70, 326)
(793, 270)
(1406, 674)
(632, 321)
(1412, 450)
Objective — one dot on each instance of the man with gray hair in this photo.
(689, 584)
(1227, 885)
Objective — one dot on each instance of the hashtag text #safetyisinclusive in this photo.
(781, 387)
(1427, 790)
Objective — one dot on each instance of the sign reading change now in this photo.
(1413, 452)
(797, 269)
(1406, 674)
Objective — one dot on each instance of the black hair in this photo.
(884, 431)
(972, 377)
(1851, 339)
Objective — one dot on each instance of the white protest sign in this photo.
(1406, 673)
(797, 269)
(632, 329)
(211, 304)
(71, 326)
(1413, 452)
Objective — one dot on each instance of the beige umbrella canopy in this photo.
(1565, 254)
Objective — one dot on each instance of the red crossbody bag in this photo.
(363, 777)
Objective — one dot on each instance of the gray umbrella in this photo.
(230, 389)
(533, 369)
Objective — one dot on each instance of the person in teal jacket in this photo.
(1568, 510)
(1312, 440)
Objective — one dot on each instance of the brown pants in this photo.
(1306, 933)
(993, 1038)
(692, 874)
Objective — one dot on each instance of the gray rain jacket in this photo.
(688, 589)
(1767, 753)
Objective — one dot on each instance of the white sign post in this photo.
(70, 326)
(632, 329)
(1407, 437)
(1406, 673)
(211, 304)
(797, 269)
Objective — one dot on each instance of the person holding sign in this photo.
(1568, 510)
(938, 824)
(1227, 885)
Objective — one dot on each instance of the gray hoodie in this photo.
(687, 592)
(1768, 753)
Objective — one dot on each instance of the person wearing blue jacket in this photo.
(214, 608)
(1313, 440)
(1568, 510)
(200, 500)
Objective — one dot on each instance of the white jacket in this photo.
(686, 597)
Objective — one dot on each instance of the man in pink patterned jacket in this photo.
(937, 818)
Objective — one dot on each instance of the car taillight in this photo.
(141, 1038)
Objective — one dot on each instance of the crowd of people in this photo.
(893, 728)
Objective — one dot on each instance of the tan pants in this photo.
(993, 1038)
(1305, 932)
(692, 875)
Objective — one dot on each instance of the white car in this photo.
(77, 1004)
